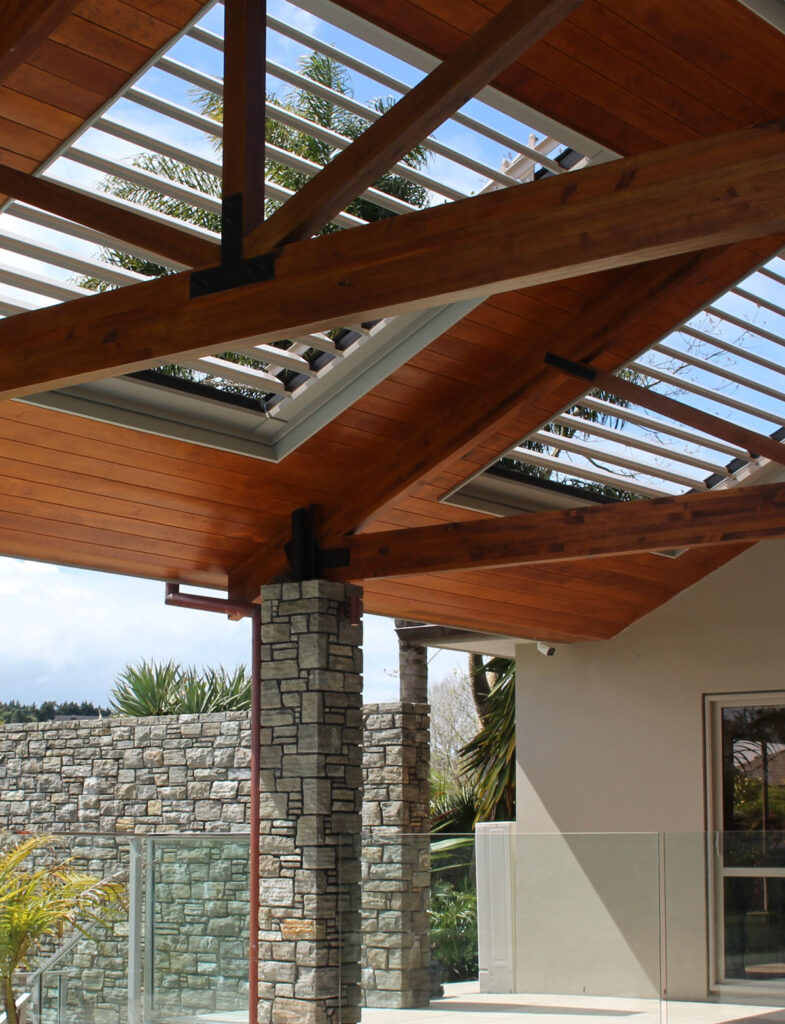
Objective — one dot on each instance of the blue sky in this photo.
(66, 633)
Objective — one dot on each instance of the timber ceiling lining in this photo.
(71, 75)
(633, 76)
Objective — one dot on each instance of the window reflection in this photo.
(753, 811)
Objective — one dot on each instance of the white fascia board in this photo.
(154, 409)
(772, 11)
(204, 420)
(348, 379)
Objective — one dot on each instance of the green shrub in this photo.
(454, 930)
(150, 688)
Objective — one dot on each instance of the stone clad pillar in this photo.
(396, 844)
(311, 783)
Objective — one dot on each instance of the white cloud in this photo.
(65, 634)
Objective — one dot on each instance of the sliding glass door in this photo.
(748, 768)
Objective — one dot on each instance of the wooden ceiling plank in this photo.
(25, 24)
(26, 142)
(688, 198)
(122, 223)
(77, 68)
(500, 41)
(55, 90)
(20, 540)
(37, 114)
(693, 520)
(103, 44)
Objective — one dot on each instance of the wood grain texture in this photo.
(244, 107)
(683, 199)
(739, 515)
(25, 24)
(467, 70)
(631, 76)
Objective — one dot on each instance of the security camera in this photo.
(546, 649)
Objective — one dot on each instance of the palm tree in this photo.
(42, 903)
(489, 759)
(318, 68)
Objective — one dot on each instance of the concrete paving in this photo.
(463, 1003)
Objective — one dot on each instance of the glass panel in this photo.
(753, 783)
(199, 899)
(755, 929)
(87, 980)
(558, 926)
(178, 950)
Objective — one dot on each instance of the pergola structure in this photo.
(396, 362)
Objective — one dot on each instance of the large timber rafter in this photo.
(679, 200)
(734, 516)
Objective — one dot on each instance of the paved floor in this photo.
(463, 1003)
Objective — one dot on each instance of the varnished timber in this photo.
(244, 107)
(517, 27)
(715, 426)
(25, 24)
(613, 314)
(120, 222)
(684, 199)
(739, 515)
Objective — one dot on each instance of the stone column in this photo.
(413, 671)
(396, 855)
(309, 970)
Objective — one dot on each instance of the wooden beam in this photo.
(688, 198)
(517, 27)
(123, 223)
(25, 24)
(740, 515)
(751, 441)
(613, 315)
(244, 107)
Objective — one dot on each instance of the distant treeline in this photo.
(14, 711)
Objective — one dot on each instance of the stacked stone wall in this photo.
(396, 855)
(91, 779)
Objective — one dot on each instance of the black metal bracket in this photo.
(580, 370)
(307, 559)
(233, 271)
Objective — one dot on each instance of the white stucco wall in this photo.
(611, 739)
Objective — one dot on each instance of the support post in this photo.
(135, 905)
(396, 862)
(311, 786)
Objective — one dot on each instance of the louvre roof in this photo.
(395, 416)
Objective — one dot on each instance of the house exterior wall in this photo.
(611, 740)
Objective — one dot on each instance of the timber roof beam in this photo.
(678, 200)
(740, 515)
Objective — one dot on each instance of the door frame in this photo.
(716, 872)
